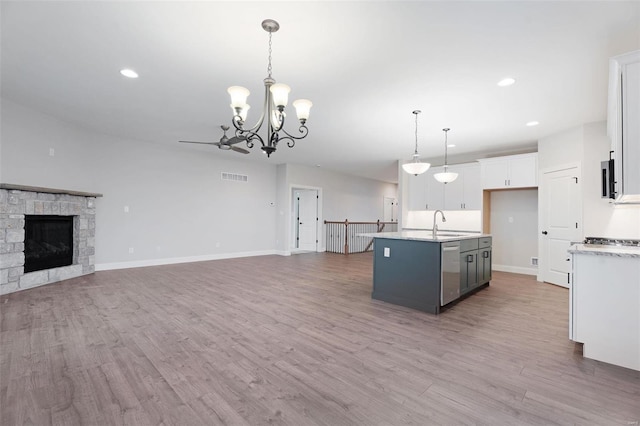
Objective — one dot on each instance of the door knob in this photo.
(544, 232)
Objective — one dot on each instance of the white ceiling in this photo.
(365, 65)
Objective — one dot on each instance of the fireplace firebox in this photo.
(48, 242)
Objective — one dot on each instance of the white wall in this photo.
(588, 145)
(179, 208)
(343, 197)
(457, 220)
(603, 218)
(514, 227)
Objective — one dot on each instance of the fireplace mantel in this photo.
(11, 186)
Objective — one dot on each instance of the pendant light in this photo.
(445, 176)
(415, 166)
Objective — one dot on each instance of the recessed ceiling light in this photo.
(532, 123)
(508, 81)
(451, 145)
(129, 73)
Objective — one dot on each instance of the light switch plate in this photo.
(387, 252)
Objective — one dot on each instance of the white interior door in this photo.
(389, 209)
(306, 203)
(560, 222)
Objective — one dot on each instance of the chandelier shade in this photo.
(276, 99)
(445, 176)
(415, 166)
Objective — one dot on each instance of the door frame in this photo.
(320, 246)
(542, 260)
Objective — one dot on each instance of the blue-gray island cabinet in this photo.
(416, 270)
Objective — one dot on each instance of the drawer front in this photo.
(484, 242)
(466, 245)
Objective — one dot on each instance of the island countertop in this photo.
(605, 250)
(426, 235)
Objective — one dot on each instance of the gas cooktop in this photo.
(611, 242)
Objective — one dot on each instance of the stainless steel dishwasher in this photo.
(450, 272)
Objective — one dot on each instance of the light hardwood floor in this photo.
(297, 341)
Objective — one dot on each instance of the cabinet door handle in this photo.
(469, 258)
(485, 254)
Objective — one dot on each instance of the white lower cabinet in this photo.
(605, 307)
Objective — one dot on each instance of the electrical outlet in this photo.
(387, 252)
(534, 261)
(126, 209)
(130, 250)
(52, 152)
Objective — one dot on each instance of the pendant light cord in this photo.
(269, 66)
(416, 151)
(446, 131)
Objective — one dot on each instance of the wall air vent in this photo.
(235, 177)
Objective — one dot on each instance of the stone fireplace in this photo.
(16, 203)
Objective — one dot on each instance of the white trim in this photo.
(515, 269)
(188, 259)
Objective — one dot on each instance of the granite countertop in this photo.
(426, 235)
(605, 250)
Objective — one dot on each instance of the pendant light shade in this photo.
(415, 166)
(445, 176)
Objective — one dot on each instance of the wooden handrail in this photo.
(346, 223)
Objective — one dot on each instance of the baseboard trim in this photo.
(188, 259)
(515, 269)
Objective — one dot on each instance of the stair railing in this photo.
(341, 237)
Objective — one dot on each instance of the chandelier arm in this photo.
(292, 139)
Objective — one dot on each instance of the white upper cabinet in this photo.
(623, 124)
(513, 171)
(418, 191)
(435, 190)
(464, 193)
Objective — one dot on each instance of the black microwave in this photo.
(607, 177)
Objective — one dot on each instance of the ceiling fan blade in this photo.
(235, 140)
(203, 143)
(238, 149)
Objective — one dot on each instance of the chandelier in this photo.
(445, 176)
(275, 100)
(415, 166)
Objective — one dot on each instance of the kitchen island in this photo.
(420, 271)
